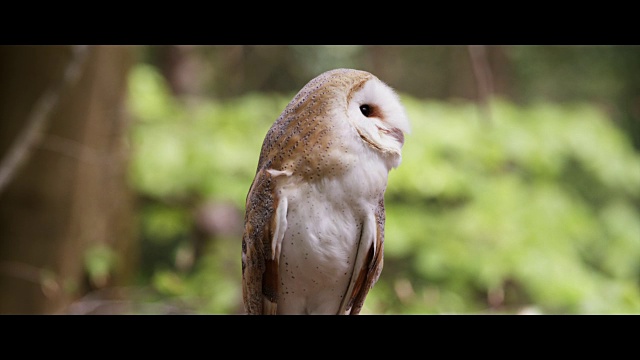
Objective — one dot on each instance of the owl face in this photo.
(375, 111)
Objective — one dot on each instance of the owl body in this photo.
(325, 223)
(314, 221)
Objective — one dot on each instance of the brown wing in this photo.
(259, 270)
(372, 268)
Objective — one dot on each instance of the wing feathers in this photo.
(265, 226)
(370, 270)
(368, 262)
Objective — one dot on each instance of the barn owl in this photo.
(314, 221)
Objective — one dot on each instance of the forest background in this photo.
(124, 171)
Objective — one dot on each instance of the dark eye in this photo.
(366, 110)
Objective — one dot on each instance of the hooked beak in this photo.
(395, 133)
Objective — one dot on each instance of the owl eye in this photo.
(366, 110)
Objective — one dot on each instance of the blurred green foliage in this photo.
(531, 209)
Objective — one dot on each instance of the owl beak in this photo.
(395, 133)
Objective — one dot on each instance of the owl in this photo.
(314, 219)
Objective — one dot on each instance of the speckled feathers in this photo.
(297, 138)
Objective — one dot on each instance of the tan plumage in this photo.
(314, 222)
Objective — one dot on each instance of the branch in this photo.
(49, 282)
(36, 122)
(484, 78)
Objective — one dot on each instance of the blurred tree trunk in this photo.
(182, 69)
(68, 209)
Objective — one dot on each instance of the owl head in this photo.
(346, 106)
(369, 105)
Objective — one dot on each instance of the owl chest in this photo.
(324, 228)
(318, 252)
(321, 232)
